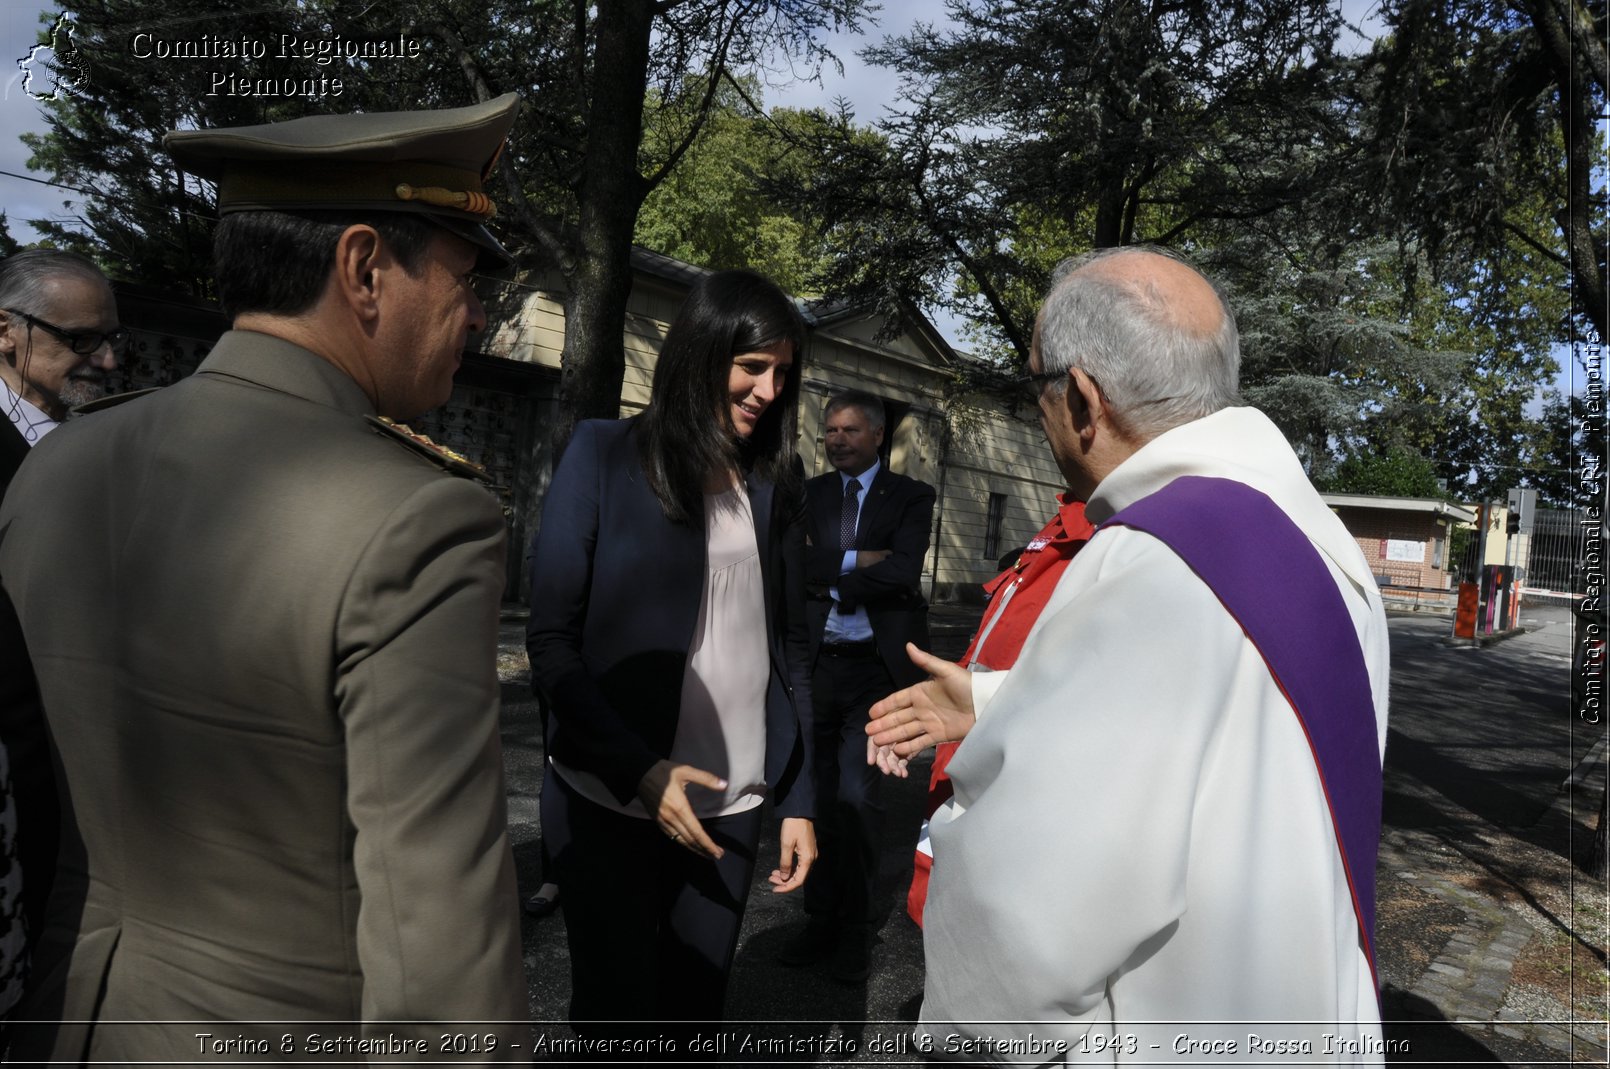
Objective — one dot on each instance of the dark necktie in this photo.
(848, 514)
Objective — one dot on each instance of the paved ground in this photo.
(1492, 935)
(1491, 943)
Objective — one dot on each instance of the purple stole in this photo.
(1271, 579)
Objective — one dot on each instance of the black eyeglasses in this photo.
(82, 342)
(1030, 386)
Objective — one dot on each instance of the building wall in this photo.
(1000, 454)
(1422, 583)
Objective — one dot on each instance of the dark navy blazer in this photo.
(615, 595)
(897, 515)
(13, 448)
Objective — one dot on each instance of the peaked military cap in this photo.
(431, 163)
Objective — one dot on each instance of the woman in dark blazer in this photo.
(669, 647)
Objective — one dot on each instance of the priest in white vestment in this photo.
(1141, 865)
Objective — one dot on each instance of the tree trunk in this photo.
(1575, 220)
(1109, 231)
(1571, 70)
(611, 191)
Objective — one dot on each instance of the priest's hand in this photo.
(940, 710)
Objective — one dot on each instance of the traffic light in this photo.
(1513, 524)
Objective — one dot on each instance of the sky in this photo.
(868, 89)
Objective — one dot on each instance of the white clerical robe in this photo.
(1143, 867)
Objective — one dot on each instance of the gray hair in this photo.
(870, 405)
(1154, 373)
(24, 276)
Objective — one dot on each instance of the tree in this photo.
(1398, 472)
(8, 244)
(1109, 123)
(1570, 466)
(574, 177)
(1485, 105)
(1034, 131)
(713, 211)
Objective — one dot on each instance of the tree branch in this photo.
(523, 214)
(981, 277)
(1534, 244)
(718, 68)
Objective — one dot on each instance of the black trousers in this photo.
(652, 927)
(849, 825)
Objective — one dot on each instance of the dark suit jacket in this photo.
(897, 515)
(22, 731)
(615, 594)
(13, 448)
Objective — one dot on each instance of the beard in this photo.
(81, 389)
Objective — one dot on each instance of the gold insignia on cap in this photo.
(464, 200)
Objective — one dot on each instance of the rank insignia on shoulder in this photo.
(439, 455)
(112, 401)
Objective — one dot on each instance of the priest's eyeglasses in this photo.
(82, 342)
(1031, 386)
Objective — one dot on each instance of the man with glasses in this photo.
(59, 336)
(1168, 808)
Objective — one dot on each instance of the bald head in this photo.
(1151, 330)
(1173, 291)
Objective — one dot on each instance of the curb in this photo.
(1484, 640)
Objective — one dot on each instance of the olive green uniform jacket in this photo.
(265, 637)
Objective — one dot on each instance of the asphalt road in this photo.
(1481, 734)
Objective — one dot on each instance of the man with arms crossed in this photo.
(1158, 856)
(868, 533)
(264, 630)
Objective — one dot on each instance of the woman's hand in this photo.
(799, 850)
(664, 792)
(888, 762)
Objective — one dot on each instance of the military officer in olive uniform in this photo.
(264, 630)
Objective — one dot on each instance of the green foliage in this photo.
(1484, 139)
(592, 77)
(1090, 124)
(140, 216)
(1371, 319)
(712, 210)
(1570, 463)
(1398, 472)
(8, 243)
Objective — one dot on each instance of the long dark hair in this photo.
(686, 435)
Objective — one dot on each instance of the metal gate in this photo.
(1558, 544)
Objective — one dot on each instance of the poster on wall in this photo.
(1405, 550)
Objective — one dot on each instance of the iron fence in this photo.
(1555, 561)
